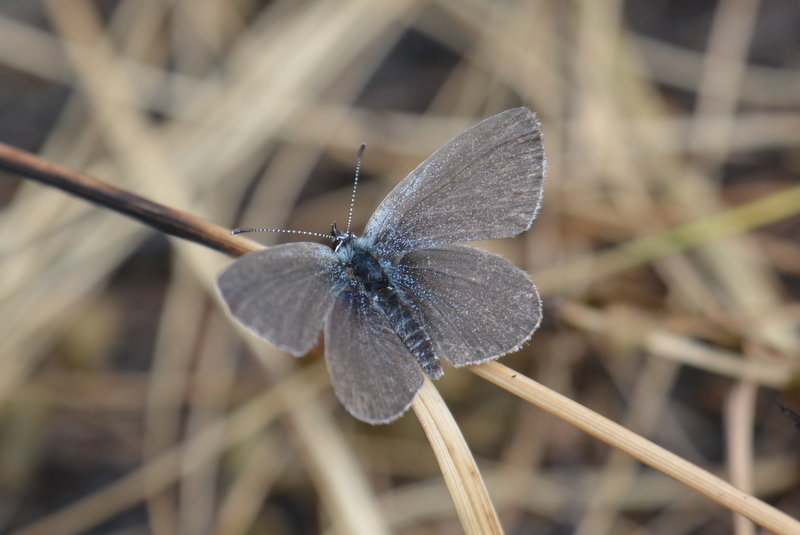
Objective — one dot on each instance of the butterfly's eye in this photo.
(341, 239)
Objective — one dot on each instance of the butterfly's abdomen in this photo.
(402, 317)
(366, 274)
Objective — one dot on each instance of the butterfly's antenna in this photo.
(242, 230)
(355, 185)
(334, 232)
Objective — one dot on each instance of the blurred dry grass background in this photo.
(666, 251)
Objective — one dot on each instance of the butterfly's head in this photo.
(340, 238)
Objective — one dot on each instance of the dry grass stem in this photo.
(640, 448)
(470, 497)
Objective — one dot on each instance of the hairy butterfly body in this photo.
(364, 273)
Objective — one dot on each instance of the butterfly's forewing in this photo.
(476, 305)
(282, 294)
(483, 184)
(373, 374)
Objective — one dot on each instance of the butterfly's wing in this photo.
(485, 183)
(476, 305)
(373, 374)
(282, 294)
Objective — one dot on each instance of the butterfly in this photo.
(396, 301)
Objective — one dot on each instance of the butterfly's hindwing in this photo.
(373, 374)
(475, 305)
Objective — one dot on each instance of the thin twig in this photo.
(162, 218)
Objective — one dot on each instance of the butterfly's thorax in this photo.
(362, 271)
